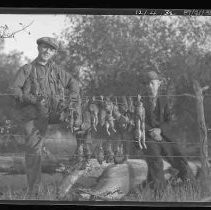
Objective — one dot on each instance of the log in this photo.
(15, 164)
(117, 180)
(69, 181)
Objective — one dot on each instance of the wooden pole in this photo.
(202, 131)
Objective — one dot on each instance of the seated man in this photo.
(159, 146)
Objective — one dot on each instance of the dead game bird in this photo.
(80, 153)
(123, 107)
(94, 110)
(109, 154)
(119, 155)
(109, 119)
(109, 123)
(102, 111)
(120, 118)
(87, 152)
(131, 107)
(100, 155)
(140, 123)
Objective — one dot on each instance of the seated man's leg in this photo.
(155, 175)
(177, 159)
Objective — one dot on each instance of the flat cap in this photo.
(152, 75)
(48, 40)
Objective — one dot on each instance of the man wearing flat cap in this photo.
(39, 87)
(159, 145)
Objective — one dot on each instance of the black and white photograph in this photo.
(105, 107)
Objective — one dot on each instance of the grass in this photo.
(13, 187)
(49, 192)
(171, 194)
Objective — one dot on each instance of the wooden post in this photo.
(202, 130)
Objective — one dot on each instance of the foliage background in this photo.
(110, 54)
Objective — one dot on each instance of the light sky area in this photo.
(43, 25)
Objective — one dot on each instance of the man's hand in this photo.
(41, 100)
(42, 104)
(155, 133)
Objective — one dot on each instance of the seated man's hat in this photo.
(152, 75)
(49, 41)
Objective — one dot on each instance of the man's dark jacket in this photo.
(35, 79)
(158, 116)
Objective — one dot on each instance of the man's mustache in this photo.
(45, 54)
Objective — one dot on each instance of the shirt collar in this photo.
(46, 65)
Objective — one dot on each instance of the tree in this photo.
(110, 54)
(115, 49)
(9, 64)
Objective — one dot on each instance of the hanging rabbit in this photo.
(140, 123)
(94, 110)
(109, 119)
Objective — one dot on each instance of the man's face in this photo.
(46, 52)
(153, 87)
